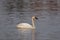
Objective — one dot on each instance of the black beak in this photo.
(36, 18)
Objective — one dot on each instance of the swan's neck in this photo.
(33, 22)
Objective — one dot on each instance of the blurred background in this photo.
(13, 12)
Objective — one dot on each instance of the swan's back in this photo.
(25, 26)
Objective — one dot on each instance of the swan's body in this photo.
(25, 26)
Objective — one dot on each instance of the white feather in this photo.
(25, 26)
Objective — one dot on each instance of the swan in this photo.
(27, 25)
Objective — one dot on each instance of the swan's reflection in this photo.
(25, 34)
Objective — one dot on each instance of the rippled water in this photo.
(47, 26)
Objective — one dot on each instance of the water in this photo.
(47, 26)
(25, 34)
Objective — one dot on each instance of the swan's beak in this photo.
(36, 18)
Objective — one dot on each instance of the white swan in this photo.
(26, 25)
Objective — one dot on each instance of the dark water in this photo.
(47, 26)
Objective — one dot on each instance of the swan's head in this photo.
(34, 17)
